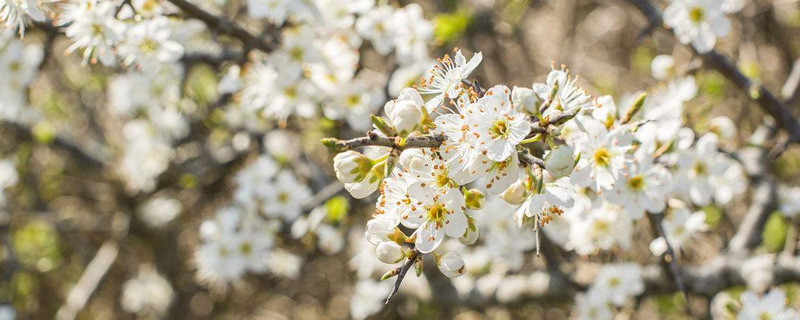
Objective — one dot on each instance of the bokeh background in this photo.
(66, 210)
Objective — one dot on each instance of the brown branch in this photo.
(373, 139)
(401, 272)
(222, 25)
(756, 92)
(668, 259)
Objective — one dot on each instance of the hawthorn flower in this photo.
(642, 186)
(372, 181)
(697, 22)
(375, 26)
(696, 167)
(91, 25)
(619, 282)
(499, 128)
(16, 13)
(568, 96)
(555, 196)
(413, 33)
(445, 79)
(593, 305)
(525, 100)
(771, 306)
(680, 225)
(602, 155)
(149, 42)
(434, 214)
(601, 229)
(286, 197)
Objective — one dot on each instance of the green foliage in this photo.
(641, 60)
(713, 216)
(775, 232)
(37, 246)
(201, 85)
(337, 208)
(449, 26)
(671, 305)
(712, 84)
(751, 69)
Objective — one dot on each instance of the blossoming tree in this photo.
(169, 165)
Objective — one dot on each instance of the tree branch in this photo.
(756, 92)
(222, 25)
(401, 273)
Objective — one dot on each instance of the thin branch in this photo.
(222, 25)
(401, 273)
(373, 139)
(87, 284)
(756, 92)
(669, 259)
(791, 89)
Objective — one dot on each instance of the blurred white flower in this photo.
(147, 293)
(159, 211)
(697, 22)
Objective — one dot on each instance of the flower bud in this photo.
(525, 100)
(451, 265)
(559, 162)
(405, 116)
(389, 252)
(474, 199)
(351, 166)
(379, 230)
(517, 193)
(470, 237)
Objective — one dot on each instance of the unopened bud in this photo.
(451, 265)
(331, 143)
(559, 162)
(634, 108)
(474, 199)
(381, 124)
(525, 100)
(405, 117)
(389, 252)
(351, 166)
(517, 193)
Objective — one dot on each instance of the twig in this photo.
(401, 273)
(756, 92)
(791, 89)
(222, 25)
(87, 284)
(668, 258)
(373, 139)
(531, 159)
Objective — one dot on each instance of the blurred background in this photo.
(69, 214)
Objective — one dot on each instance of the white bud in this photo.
(662, 67)
(722, 126)
(474, 199)
(389, 252)
(517, 193)
(379, 229)
(351, 166)
(559, 162)
(405, 116)
(470, 237)
(451, 265)
(525, 100)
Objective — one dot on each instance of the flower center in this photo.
(353, 100)
(696, 15)
(436, 214)
(499, 129)
(602, 157)
(636, 183)
(283, 197)
(764, 316)
(296, 54)
(246, 248)
(614, 282)
(700, 169)
(148, 46)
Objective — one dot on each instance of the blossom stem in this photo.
(402, 271)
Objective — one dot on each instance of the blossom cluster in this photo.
(581, 169)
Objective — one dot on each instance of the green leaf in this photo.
(337, 208)
(775, 232)
(713, 216)
(449, 26)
